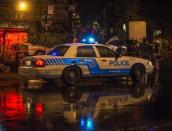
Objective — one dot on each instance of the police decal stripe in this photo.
(61, 61)
(49, 61)
(54, 61)
(46, 61)
(58, 63)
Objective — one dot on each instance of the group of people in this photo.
(153, 53)
(149, 51)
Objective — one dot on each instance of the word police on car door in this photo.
(119, 63)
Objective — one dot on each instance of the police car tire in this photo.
(71, 94)
(71, 76)
(137, 90)
(138, 72)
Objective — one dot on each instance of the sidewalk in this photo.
(9, 79)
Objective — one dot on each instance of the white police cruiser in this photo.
(72, 62)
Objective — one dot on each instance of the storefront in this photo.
(8, 37)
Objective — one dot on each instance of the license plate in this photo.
(28, 63)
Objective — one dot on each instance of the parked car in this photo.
(31, 49)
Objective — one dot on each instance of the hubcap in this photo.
(72, 75)
(138, 72)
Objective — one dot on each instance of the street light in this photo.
(124, 28)
(22, 6)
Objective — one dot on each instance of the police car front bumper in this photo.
(32, 72)
(149, 69)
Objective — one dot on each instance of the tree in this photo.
(159, 14)
(119, 12)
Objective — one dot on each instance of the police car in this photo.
(72, 62)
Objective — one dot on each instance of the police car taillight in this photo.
(39, 63)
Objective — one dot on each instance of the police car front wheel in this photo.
(138, 72)
(71, 76)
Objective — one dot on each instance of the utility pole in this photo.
(104, 24)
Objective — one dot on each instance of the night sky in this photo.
(153, 10)
(90, 9)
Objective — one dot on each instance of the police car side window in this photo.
(105, 52)
(59, 51)
(85, 51)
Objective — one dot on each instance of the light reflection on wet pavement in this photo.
(107, 106)
(119, 106)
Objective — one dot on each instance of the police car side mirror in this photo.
(117, 55)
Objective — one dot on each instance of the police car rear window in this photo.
(58, 51)
(85, 51)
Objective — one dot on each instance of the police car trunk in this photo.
(41, 67)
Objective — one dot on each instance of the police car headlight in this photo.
(149, 63)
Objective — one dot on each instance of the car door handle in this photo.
(104, 60)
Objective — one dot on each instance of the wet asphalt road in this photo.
(108, 105)
(119, 105)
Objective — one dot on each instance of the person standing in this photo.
(145, 49)
(156, 49)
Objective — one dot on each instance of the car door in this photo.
(109, 63)
(87, 56)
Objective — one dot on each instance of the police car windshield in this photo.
(58, 50)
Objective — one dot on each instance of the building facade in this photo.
(38, 17)
(38, 13)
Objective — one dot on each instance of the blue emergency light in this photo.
(91, 40)
(54, 54)
(84, 40)
(88, 40)
(87, 123)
